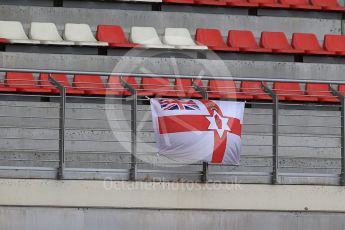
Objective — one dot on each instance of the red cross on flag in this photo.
(189, 130)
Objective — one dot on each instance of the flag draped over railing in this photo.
(189, 130)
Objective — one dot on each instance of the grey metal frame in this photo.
(62, 119)
(275, 132)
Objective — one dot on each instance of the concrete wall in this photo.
(254, 69)
(29, 218)
(160, 20)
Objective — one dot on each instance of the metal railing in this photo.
(265, 158)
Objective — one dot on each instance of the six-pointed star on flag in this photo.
(218, 123)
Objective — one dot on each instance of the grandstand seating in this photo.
(328, 5)
(254, 89)
(245, 41)
(62, 79)
(24, 82)
(300, 4)
(213, 39)
(81, 34)
(181, 39)
(335, 43)
(308, 43)
(47, 33)
(147, 37)
(321, 91)
(114, 35)
(292, 92)
(278, 42)
(156, 86)
(14, 32)
(225, 89)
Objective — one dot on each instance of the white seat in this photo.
(14, 32)
(181, 39)
(147, 37)
(47, 33)
(82, 35)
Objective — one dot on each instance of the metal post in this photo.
(133, 168)
(62, 117)
(342, 102)
(275, 133)
(204, 177)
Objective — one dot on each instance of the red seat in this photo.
(114, 35)
(241, 3)
(245, 41)
(321, 91)
(184, 88)
(300, 4)
(341, 89)
(278, 42)
(115, 87)
(269, 3)
(328, 4)
(91, 84)
(225, 89)
(179, 1)
(335, 43)
(156, 86)
(210, 2)
(309, 43)
(4, 40)
(254, 89)
(61, 78)
(291, 92)
(5, 89)
(213, 39)
(24, 82)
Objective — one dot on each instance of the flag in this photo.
(189, 130)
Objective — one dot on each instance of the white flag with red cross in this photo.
(189, 130)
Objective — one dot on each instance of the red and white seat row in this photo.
(162, 87)
(113, 36)
(327, 5)
(81, 35)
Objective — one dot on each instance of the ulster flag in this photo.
(190, 130)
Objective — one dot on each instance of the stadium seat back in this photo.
(305, 41)
(287, 88)
(222, 86)
(61, 78)
(78, 33)
(145, 36)
(242, 39)
(111, 34)
(20, 80)
(210, 37)
(295, 2)
(274, 40)
(334, 43)
(88, 82)
(325, 3)
(156, 85)
(12, 30)
(318, 89)
(44, 31)
(178, 36)
(263, 1)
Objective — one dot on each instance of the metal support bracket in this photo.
(133, 167)
(342, 102)
(204, 176)
(62, 119)
(275, 133)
